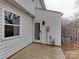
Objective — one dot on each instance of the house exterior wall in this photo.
(38, 4)
(53, 21)
(28, 5)
(9, 46)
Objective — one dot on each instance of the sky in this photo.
(67, 7)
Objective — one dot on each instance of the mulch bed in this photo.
(71, 46)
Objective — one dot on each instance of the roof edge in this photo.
(43, 4)
(15, 4)
(50, 11)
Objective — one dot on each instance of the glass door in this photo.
(37, 31)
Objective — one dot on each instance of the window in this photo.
(12, 24)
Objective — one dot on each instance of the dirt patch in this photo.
(72, 53)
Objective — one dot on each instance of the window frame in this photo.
(3, 25)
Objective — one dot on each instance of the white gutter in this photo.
(17, 5)
(50, 11)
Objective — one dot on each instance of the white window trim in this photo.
(3, 24)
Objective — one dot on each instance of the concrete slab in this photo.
(40, 51)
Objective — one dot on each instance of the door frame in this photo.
(36, 40)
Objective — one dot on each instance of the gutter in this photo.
(50, 11)
(12, 2)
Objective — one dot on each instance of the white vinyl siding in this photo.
(38, 4)
(0, 23)
(53, 21)
(27, 4)
(12, 45)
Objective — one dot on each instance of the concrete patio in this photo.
(39, 51)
